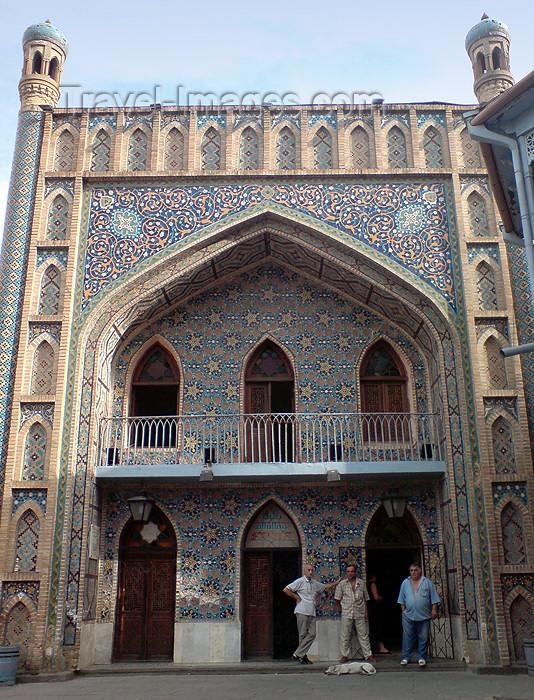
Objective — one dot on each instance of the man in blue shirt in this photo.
(419, 602)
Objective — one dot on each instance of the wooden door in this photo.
(131, 609)
(258, 605)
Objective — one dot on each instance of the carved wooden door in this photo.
(258, 605)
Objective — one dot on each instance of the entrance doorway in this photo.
(144, 629)
(392, 544)
(271, 561)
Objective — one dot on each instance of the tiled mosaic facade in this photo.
(330, 229)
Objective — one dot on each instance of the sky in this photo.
(404, 52)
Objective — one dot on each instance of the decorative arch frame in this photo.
(164, 135)
(21, 447)
(31, 506)
(127, 136)
(47, 205)
(200, 139)
(408, 142)
(445, 148)
(298, 145)
(335, 147)
(464, 139)
(469, 193)
(501, 414)
(512, 596)
(56, 138)
(497, 278)
(30, 606)
(372, 144)
(236, 137)
(101, 126)
(491, 335)
(31, 355)
(527, 535)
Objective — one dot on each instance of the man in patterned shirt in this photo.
(351, 598)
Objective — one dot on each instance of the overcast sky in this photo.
(407, 52)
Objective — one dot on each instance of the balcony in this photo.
(263, 447)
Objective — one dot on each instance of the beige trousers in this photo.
(362, 631)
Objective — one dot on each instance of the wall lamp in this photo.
(206, 473)
(140, 508)
(394, 506)
(332, 475)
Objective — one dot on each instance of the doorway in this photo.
(271, 560)
(144, 629)
(392, 544)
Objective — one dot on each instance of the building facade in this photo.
(278, 328)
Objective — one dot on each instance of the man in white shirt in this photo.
(305, 591)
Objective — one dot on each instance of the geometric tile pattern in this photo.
(11, 588)
(397, 154)
(408, 223)
(174, 150)
(50, 297)
(498, 324)
(328, 117)
(470, 151)
(437, 117)
(490, 250)
(203, 119)
(21, 496)
(286, 150)
(64, 159)
(486, 290)
(522, 624)
(248, 150)
(360, 151)
(42, 381)
(285, 116)
(137, 151)
(211, 150)
(504, 489)
(478, 217)
(34, 454)
(322, 149)
(496, 365)
(17, 630)
(513, 540)
(58, 215)
(432, 147)
(101, 151)
(27, 542)
(30, 410)
(503, 447)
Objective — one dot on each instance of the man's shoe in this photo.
(404, 662)
(343, 660)
(370, 658)
(422, 663)
(305, 661)
(295, 658)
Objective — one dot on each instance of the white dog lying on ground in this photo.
(352, 667)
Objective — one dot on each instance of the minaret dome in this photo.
(488, 46)
(45, 50)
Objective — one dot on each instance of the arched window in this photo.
(43, 369)
(486, 289)
(56, 228)
(174, 150)
(383, 381)
(513, 540)
(53, 69)
(155, 393)
(360, 150)
(481, 63)
(50, 297)
(503, 447)
(64, 159)
(496, 366)
(322, 149)
(211, 150)
(286, 150)
(470, 150)
(34, 454)
(478, 218)
(397, 152)
(138, 151)
(432, 146)
(17, 630)
(37, 62)
(27, 542)
(496, 56)
(522, 625)
(249, 150)
(101, 152)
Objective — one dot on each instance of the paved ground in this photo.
(398, 685)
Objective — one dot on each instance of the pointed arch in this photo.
(322, 149)
(17, 629)
(478, 217)
(496, 364)
(360, 148)
(101, 151)
(513, 539)
(211, 150)
(486, 287)
(27, 542)
(383, 380)
(37, 62)
(65, 151)
(138, 150)
(174, 150)
(503, 446)
(50, 296)
(496, 58)
(470, 151)
(249, 150)
(286, 149)
(53, 69)
(43, 369)
(58, 219)
(433, 148)
(397, 148)
(35, 453)
(521, 613)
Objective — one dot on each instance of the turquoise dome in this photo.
(47, 32)
(486, 27)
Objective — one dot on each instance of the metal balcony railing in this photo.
(270, 438)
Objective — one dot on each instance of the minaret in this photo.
(488, 46)
(45, 50)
